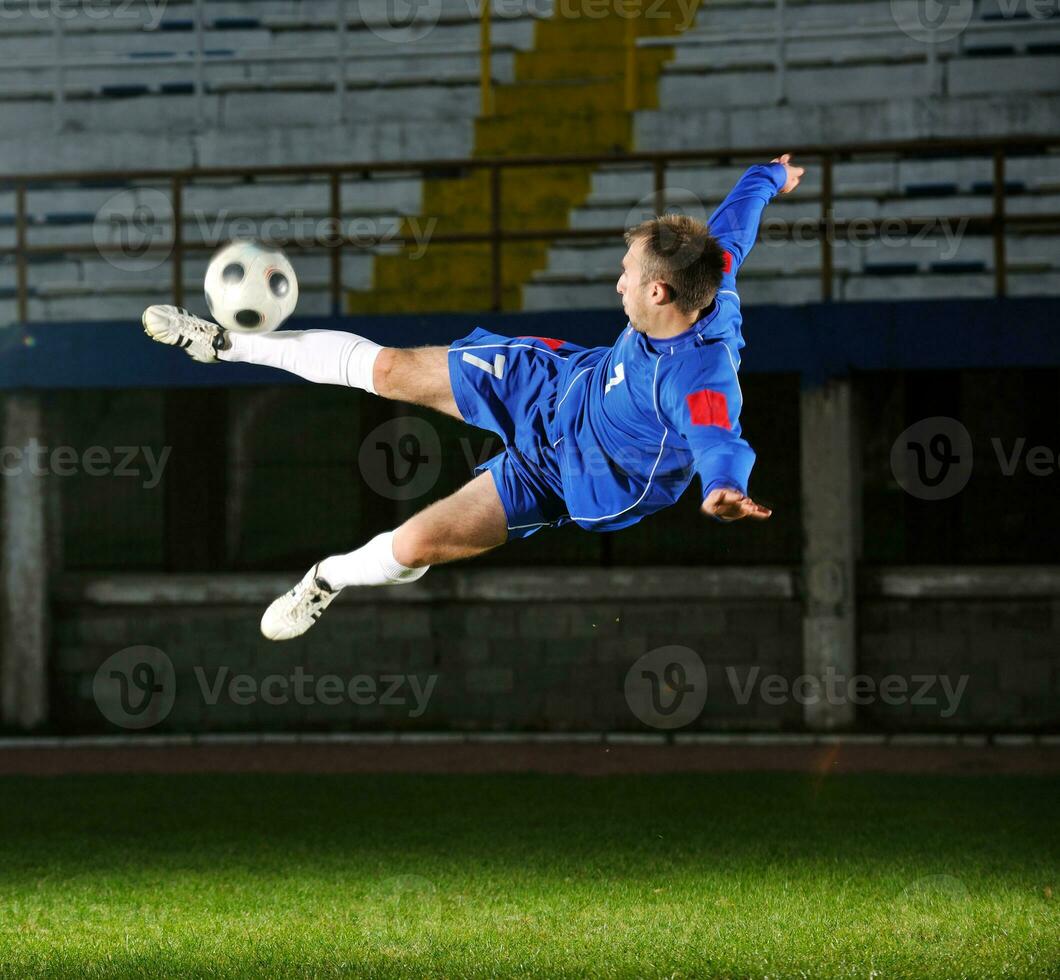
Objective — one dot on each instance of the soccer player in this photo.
(599, 436)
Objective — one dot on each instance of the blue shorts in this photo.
(507, 385)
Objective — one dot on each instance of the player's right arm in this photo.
(735, 222)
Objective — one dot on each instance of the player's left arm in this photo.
(723, 462)
(703, 403)
(736, 220)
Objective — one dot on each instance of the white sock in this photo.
(330, 357)
(372, 564)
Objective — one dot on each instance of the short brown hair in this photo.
(681, 252)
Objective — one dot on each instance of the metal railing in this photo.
(827, 228)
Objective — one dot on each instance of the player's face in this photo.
(634, 292)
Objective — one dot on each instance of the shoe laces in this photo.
(191, 322)
(312, 598)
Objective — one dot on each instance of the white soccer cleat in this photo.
(200, 339)
(295, 611)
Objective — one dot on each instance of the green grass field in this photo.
(643, 876)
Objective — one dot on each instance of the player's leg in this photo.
(463, 525)
(416, 375)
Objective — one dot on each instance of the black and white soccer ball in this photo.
(250, 287)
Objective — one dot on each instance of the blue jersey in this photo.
(633, 423)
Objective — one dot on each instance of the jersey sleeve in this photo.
(735, 222)
(701, 401)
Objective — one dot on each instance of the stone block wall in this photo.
(555, 650)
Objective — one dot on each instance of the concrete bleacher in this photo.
(268, 96)
(132, 96)
(267, 82)
(850, 75)
(97, 286)
(946, 261)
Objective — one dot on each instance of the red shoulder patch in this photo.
(551, 341)
(726, 263)
(708, 407)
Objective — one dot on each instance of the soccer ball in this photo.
(250, 288)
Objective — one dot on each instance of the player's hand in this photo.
(731, 505)
(794, 173)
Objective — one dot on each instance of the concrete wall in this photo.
(552, 632)
(1008, 649)
(537, 662)
(562, 650)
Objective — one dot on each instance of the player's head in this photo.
(673, 265)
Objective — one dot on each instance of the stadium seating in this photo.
(582, 274)
(89, 285)
(259, 75)
(864, 83)
(268, 96)
(131, 98)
